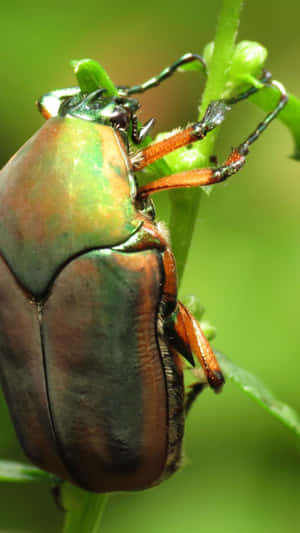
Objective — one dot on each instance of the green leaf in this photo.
(14, 472)
(259, 392)
(248, 60)
(192, 302)
(208, 329)
(91, 76)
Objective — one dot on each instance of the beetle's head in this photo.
(116, 111)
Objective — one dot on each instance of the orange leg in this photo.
(196, 177)
(187, 337)
(205, 176)
(183, 333)
(214, 116)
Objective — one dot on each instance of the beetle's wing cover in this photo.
(67, 190)
(106, 385)
(22, 374)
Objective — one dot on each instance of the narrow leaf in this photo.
(91, 76)
(259, 392)
(14, 472)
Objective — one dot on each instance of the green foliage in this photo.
(13, 472)
(91, 75)
(260, 393)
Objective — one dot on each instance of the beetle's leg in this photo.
(186, 336)
(166, 73)
(182, 331)
(197, 177)
(50, 103)
(57, 495)
(266, 79)
(214, 116)
(209, 176)
(194, 390)
(140, 133)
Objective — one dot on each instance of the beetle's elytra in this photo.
(90, 325)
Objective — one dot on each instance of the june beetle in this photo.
(91, 331)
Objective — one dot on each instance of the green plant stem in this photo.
(185, 204)
(87, 515)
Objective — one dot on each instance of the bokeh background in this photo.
(242, 468)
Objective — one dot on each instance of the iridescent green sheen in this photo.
(67, 190)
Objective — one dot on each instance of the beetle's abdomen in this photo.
(67, 190)
(94, 380)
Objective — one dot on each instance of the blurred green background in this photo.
(242, 468)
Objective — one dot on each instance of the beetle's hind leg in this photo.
(49, 104)
(187, 338)
(194, 390)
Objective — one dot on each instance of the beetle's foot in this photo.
(194, 390)
(214, 116)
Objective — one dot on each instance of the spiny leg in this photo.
(266, 80)
(214, 116)
(186, 337)
(166, 73)
(209, 176)
(195, 177)
(244, 147)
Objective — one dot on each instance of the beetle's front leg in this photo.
(204, 176)
(214, 116)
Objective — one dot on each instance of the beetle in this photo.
(91, 330)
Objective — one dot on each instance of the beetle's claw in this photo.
(215, 113)
(214, 116)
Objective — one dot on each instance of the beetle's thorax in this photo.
(114, 111)
(67, 190)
